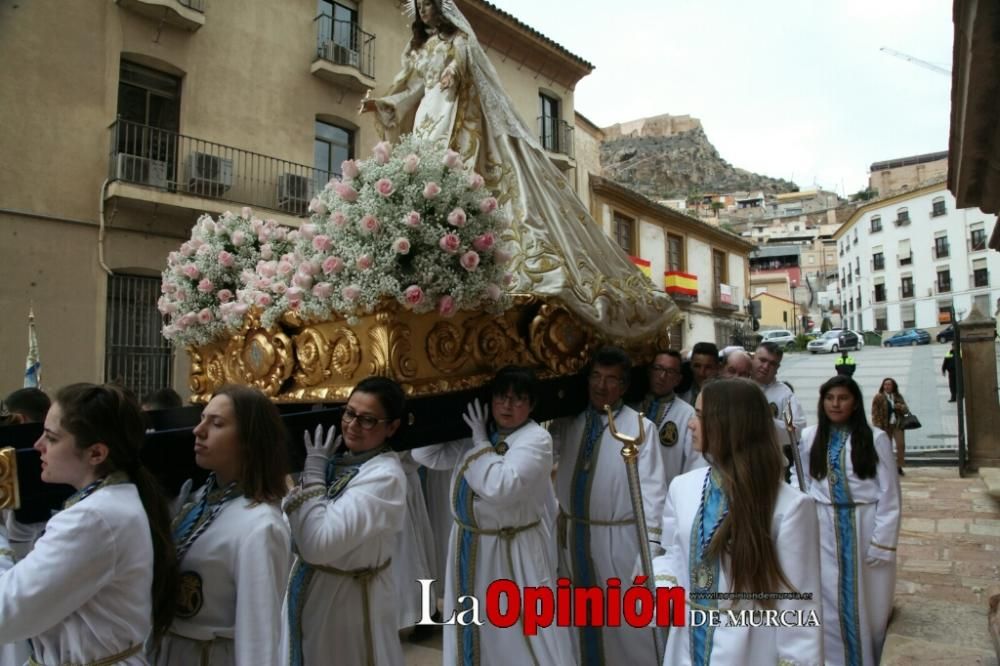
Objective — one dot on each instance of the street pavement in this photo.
(917, 370)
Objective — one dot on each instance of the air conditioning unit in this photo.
(208, 174)
(142, 170)
(341, 55)
(294, 193)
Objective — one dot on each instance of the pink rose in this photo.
(410, 163)
(309, 267)
(280, 288)
(266, 251)
(470, 260)
(476, 182)
(382, 151)
(332, 265)
(294, 294)
(484, 243)
(446, 306)
(413, 295)
(205, 316)
(191, 271)
(323, 290)
(285, 268)
(308, 230)
(450, 243)
(317, 206)
(401, 245)
(225, 295)
(226, 260)
(493, 291)
(369, 224)
(412, 219)
(256, 224)
(452, 160)
(349, 169)
(240, 309)
(431, 190)
(302, 280)
(351, 292)
(246, 213)
(239, 237)
(384, 187)
(488, 205)
(267, 268)
(322, 243)
(206, 286)
(346, 192)
(364, 262)
(189, 319)
(338, 219)
(457, 218)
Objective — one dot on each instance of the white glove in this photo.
(182, 497)
(475, 417)
(877, 557)
(318, 452)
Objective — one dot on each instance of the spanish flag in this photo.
(643, 265)
(676, 282)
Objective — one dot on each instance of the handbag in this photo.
(909, 422)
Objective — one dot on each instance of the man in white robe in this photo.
(780, 397)
(671, 416)
(597, 530)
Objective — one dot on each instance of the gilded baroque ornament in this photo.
(390, 349)
(9, 495)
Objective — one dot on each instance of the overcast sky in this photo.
(790, 89)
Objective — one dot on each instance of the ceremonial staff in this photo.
(796, 456)
(630, 453)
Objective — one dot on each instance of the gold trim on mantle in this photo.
(303, 361)
(10, 497)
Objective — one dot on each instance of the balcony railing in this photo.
(173, 162)
(878, 263)
(345, 43)
(555, 135)
(724, 297)
(977, 243)
(906, 260)
(980, 278)
(905, 292)
(902, 219)
(941, 251)
(943, 286)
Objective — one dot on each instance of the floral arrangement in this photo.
(411, 224)
(203, 279)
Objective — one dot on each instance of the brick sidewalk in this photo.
(949, 566)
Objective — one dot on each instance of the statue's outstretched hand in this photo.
(367, 104)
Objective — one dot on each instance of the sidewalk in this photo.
(949, 566)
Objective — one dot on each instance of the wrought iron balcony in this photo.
(345, 54)
(725, 298)
(556, 135)
(184, 165)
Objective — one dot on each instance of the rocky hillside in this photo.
(679, 166)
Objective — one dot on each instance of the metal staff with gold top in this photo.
(630, 453)
(796, 456)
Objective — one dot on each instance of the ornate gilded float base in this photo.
(298, 361)
(9, 494)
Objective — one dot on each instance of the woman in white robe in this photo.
(102, 579)
(340, 606)
(852, 475)
(448, 92)
(736, 527)
(415, 557)
(233, 544)
(500, 490)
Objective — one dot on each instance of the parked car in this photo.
(833, 341)
(947, 334)
(861, 340)
(780, 337)
(908, 336)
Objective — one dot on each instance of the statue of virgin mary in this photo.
(448, 91)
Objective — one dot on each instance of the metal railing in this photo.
(979, 278)
(977, 243)
(556, 135)
(878, 263)
(941, 251)
(137, 356)
(718, 302)
(345, 43)
(943, 286)
(159, 158)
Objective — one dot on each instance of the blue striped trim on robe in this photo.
(845, 527)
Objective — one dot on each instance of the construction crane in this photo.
(916, 61)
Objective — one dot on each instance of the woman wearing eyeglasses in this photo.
(345, 515)
(502, 498)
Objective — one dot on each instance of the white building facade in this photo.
(905, 261)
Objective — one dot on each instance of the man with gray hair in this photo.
(738, 364)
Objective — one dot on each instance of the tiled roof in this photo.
(527, 28)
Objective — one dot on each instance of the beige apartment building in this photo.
(891, 177)
(122, 122)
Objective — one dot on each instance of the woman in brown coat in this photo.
(888, 407)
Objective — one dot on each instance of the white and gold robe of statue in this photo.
(597, 532)
(414, 558)
(83, 593)
(232, 587)
(864, 513)
(500, 530)
(794, 533)
(348, 541)
(673, 435)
